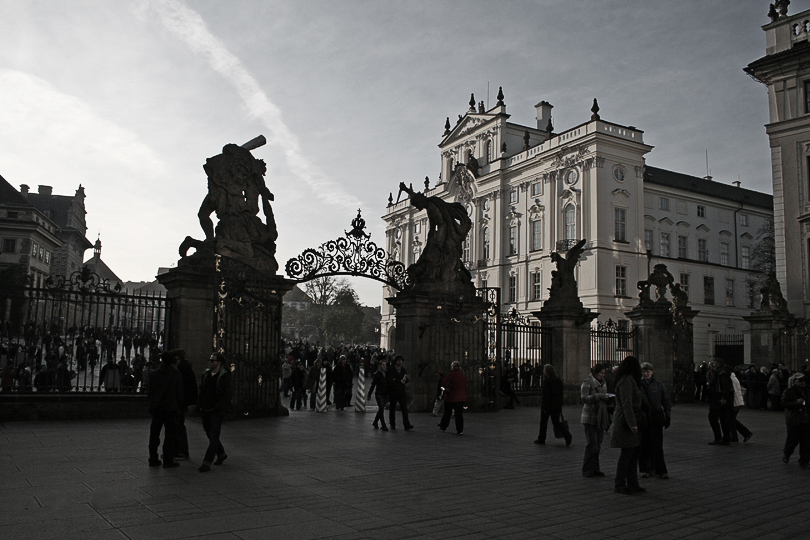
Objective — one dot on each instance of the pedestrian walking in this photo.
(595, 418)
(551, 405)
(455, 395)
(397, 378)
(190, 395)
(165, 401)
(651, 454)
(628, 420)
(737, 427)
(797, 419)
(379, 388)
(721, 400)
(214, 403)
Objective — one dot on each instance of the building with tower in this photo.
(531, 190)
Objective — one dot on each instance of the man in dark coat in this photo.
(397, 378)
(797, 418)
(214, 403)
(721, 400)
(189, 399)
(551, 405)
(165, 402)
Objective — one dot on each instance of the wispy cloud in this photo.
(189, 27)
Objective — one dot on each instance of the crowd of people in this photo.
(85, 359)
(638, 408)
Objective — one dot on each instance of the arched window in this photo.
(570, 220)
(489, 151)
(485, 243)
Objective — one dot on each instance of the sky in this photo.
(130, 98)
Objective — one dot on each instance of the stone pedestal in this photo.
(765, 326)
(570, 346)
(433, 328)
(191, 291)
(667, 346)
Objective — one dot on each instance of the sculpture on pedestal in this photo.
(772, 299)
(440, 261)
(236, 189)
(563, 291)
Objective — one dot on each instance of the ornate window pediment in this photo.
(746, 236)
(725, 233)
(665, 221)
(703, 228)
(621, 192)
(683, 224)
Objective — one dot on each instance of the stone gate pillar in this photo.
(765, 326)
(191, 290)
(570, 345)
(767, 322)
(434, 328)
(664, 334)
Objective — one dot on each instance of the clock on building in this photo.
(571, 176)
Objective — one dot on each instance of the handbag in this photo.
(561, 429)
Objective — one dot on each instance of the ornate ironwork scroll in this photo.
(352, 255)
(84, 281)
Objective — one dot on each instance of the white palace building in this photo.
(531, 191)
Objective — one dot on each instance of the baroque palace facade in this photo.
(531, 191)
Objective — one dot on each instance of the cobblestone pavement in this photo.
(331, 475)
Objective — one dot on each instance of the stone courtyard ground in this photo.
(331, 476)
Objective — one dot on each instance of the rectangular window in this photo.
(466, 253)
(701, 211)
(729, 292)
(513, 241)
(537, 189)
(623, 328)
(745, 257)
(663, 204)
(47, 257)
(807, 97)
(708, 290)
(684, 281)
(10, 245)
(683, 247)
(537, 286)
(743, 220)
(648, 239)
(513, 196)
(34, 250)
(483, 284)
(752, 293)
(41, 253)
(537, 235)
(513, 288)
(703, 252)
(621, 281)
(724, 253)
(620, 224)
(664, 245)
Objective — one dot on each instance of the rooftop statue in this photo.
(440, 261)
(236, 189)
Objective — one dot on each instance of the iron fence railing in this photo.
(79, 335)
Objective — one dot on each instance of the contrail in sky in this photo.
(188, 26)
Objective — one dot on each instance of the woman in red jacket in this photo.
(455, 394)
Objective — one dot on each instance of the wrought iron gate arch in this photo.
(353, 254)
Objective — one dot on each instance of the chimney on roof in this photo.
(736, 183)
(45, 190)
(24, 190)
(543, 114)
